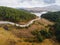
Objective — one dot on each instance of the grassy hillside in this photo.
(55, 29)
(15, 15)
(12, 35)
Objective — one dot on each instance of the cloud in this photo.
(28, 3)
(9, 3)
(58, 2)
(49, 1)
(32, 3)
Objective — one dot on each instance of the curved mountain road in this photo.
(25, 25)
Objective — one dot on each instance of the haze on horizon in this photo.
(28, 3)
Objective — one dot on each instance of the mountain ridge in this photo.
(42, 9)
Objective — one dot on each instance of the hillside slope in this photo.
(15, 15)
(12, 35)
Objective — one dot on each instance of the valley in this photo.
(40, 28)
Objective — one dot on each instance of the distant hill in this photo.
(52, 16)
(42, 9)
(52, 8)
(15, 15)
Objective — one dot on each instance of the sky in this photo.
(28, 3)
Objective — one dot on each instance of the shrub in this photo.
(41, 35)
(6, 27)
(34, 32)
(45, 34)
(38, 35)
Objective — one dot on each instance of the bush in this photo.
(6, 27)
(41, 35)
(45, 34)
(38, 35)
(34, 32)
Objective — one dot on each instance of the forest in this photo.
(15, 15)
(52, 16)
